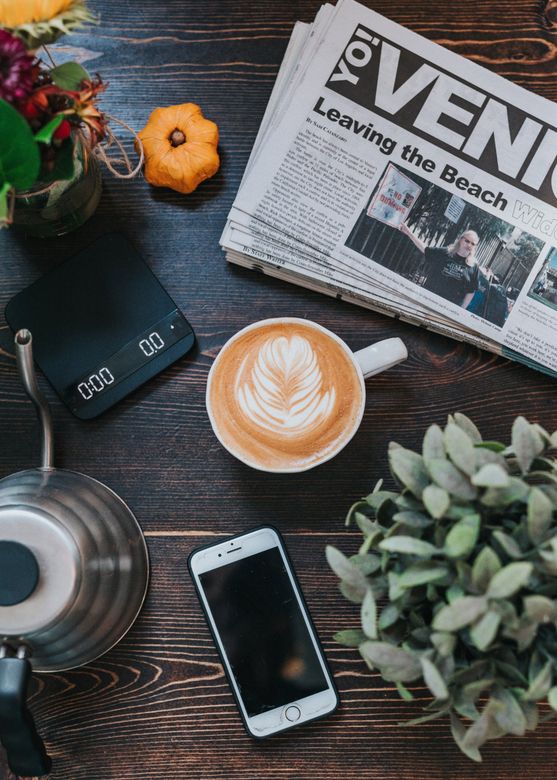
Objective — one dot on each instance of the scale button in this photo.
(292, 713)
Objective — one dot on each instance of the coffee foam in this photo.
(284, 396)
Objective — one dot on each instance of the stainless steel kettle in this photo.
(74, 572)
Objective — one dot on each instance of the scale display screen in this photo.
(102, 324)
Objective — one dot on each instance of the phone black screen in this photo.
(263, 631)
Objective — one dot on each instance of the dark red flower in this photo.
(63, 130)
(16, 69)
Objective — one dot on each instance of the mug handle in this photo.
(380, 356)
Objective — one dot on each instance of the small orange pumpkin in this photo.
(180, 147)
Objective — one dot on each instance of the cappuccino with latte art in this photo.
(285, 395)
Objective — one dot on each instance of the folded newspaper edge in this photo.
(382, 174)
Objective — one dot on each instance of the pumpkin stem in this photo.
(177, 137)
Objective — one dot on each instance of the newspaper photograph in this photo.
(477, 261)
(383, 174)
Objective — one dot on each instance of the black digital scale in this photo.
(102, 325)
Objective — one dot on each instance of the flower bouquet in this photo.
(49, 121)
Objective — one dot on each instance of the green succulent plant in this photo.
(457, 578)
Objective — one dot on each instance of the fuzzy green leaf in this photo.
(484, 631)
(367, 526)
(540, 608)
(422, 573)
(443, 642)
(491, 476)
(408, 467)
(460, 449)
(413, 519)
(389, 615)
(485, 456)
(523, 632)
(396, 591)
(462, 537)
(460, 613)
(468, 427)
(487, 564)
(509, 579)
(436, 500)
(367, 564)
(433, 446)
(508, 544)
(509, 714)
(408, 545)
(433, 679)
(472, 691)
(540, 685)
(527, 443)
(351, 637)
(454, 592)
(451, 479)
(369, 615)
(517, 490)
(482, 729)
(344, 568)
(375, 500)
(458, 731)
(353, 593)
(394, 663)
(552, 698)
(540, 515)
(531, 713)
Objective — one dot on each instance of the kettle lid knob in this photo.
(19, 573)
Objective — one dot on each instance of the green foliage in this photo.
(456, 578)
(45, 134)
(69, 75)
(19, 154)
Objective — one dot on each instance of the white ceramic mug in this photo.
(367, 362)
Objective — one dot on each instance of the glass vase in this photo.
(57, 208)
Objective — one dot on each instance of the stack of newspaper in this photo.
(395, 174)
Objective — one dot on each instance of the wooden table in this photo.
(157, 707)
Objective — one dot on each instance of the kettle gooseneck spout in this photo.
(24, 357)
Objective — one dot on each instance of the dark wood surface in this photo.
(157, 707)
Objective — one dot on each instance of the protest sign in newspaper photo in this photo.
(393, 173)
(394, 197)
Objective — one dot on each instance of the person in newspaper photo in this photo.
(452, 271)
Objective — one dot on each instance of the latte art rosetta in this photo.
(285, 392)
(284, 395)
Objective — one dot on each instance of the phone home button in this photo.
(292, 713)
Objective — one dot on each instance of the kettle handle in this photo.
(24, 357)
(24, 748)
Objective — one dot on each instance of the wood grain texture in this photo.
(157, 707)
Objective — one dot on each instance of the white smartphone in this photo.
(263, 631)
